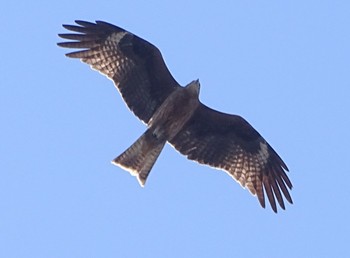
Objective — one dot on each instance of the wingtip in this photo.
(67, 26)
(274, 208)
(84, 23)
(61, 44)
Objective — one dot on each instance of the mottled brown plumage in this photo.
(174, 114)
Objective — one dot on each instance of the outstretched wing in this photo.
(230, 143)
(135, 65)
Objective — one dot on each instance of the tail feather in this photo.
(140, 157)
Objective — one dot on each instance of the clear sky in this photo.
(283, 65)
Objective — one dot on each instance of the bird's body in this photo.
(175, 111)
(174, 114)
(164, 125)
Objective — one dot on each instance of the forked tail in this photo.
(140, 157)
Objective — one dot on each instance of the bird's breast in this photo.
(174, 112)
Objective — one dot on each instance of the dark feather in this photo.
(230, 143)
(136, 66)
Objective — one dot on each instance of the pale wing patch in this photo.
(117, 37)
(264, 152)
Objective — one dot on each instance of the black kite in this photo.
(174, 114)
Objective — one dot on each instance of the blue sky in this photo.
(284, 66)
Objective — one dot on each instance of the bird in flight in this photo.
(174, 114)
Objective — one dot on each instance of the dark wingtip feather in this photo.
(269, 193)
(260, 193)
(79, 54)
(71, 27)
(286, 179)
(87, 29)
(107, 24)
(79, 44)
(104, 23)
(277, 192)
(85, 23)
(80, 37)
(262, 201)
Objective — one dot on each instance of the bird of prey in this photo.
(175, 115)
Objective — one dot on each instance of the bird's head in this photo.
(194, 87)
